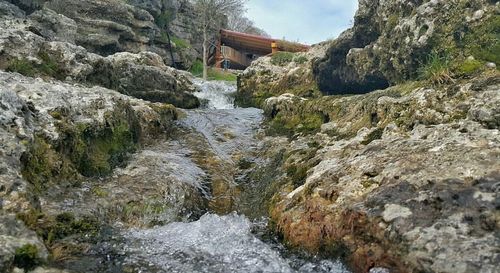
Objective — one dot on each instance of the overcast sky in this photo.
(308, 21)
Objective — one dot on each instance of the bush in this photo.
(282, 58)
(484, 41)
(300, 59)
(197, 68)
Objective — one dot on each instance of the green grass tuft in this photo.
(26, 257)
(436, 68)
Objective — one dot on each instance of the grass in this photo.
(220, 75)
(213, 73)
(48, 67)
(436, 68)
(180, 43)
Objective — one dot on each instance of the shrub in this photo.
(197, 68)
(282, 58)
(300, 59)
(484, 41)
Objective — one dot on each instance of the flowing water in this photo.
(218, 243)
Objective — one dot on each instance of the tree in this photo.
(212, 14)
(238, 22)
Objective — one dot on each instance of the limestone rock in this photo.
(143, 75)
(54, 26)
(394, 192)
(391, 40)
(14, 235)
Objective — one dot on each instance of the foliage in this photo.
(54, 228)
(306, 123)
(436, 68)
(197, 68)
(22, 66)
(300, 59)
(468, 67)
(48, 67)
(282, 58)
(484, 41)
(26, 257)
(180, 43)
(164, 19)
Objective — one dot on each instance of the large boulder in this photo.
(391, 40)
(283, 72)
(106, 27)
(37, 46)
(384, 181)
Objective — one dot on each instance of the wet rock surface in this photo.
(392, 191)
(55, 136)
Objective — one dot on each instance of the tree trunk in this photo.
(205, 55)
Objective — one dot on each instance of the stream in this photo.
(224, 243)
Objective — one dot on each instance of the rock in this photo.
(390, 40)
(491, 65)
(108, 27)
(42, 109)
(405, 187)
(8, 10)
(14, 235)
(478, 14)
(393, 211)
(54, 26)
(379, 270)
(264, 79)
(143, 75)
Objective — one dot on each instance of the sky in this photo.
(305, 21)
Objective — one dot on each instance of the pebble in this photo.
(491, 65)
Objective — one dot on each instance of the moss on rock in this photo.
(26, 257)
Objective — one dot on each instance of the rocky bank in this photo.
(404, 177)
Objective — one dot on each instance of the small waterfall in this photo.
(218, 243)
(216, 94)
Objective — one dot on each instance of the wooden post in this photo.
(274, 47)
(218, 54)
